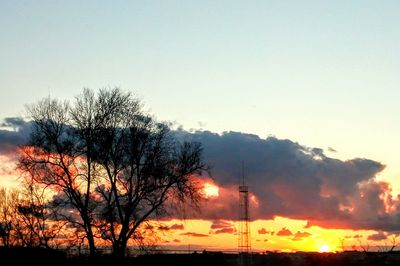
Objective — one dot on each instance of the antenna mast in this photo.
(244, 245)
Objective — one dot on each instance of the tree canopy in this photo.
(109, 165)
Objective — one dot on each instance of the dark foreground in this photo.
(24, 256)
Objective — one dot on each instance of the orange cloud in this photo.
(263, 231)
(300, 235)
(284, 232)
(230, 230)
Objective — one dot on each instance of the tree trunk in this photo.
(92, 246)
(119, 248)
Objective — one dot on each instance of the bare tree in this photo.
(115, 166)
(53, 158)
(37, 223)
(364, 247)
(389, 247)
(393, 242)
(26, 219)
(8, 203)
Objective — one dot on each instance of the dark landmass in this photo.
(36, 256)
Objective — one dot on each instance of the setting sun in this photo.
(324, 248)
(210, 190)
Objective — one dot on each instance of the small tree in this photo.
(26, 219)
(37, 223)
(364, 247)
(109, 162)
(8, 206)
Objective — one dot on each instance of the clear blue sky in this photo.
(323, 73)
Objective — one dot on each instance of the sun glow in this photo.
(324, 249)
(210, 190)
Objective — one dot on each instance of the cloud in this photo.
(194, 234)
(222, 227)
(285, 179)
(163, 228)
(217, 224)
(291, 180)
(330, 149)
(172, 227)
(354, 236)
(263, 231)
(300, 235)
(377, 237)
(13, 122)
(177, 227)
(13, 132)
(230, 230)
(284, 232)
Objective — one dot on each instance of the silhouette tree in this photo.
(8, 201)
(37, 223)
(25, 218)
(53, 158)
(113, 165)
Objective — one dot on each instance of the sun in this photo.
(210, 190)
(324, 249)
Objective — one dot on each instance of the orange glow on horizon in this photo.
(203, 234)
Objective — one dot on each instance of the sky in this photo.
(319, 74)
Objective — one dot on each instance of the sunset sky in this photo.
(306, 93)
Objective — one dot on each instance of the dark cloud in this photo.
(290, 180)
(377, 237)
(229, 230)
(354, 236)
(285, 179)
(177, 227)
(222, 227)
(13, 132)
(172, 227)
(218, 224)
(13, 122)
